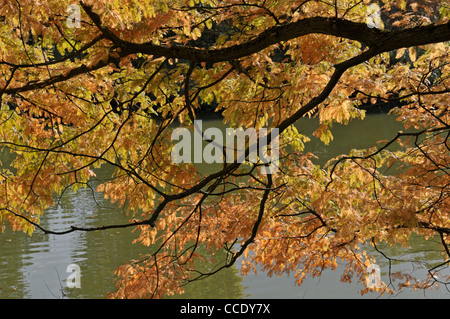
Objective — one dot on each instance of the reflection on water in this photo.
(36, 267)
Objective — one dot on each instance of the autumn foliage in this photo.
(111, 90)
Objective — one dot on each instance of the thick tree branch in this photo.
(383, 41)
(83, 69)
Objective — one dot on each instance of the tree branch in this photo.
(382, 40)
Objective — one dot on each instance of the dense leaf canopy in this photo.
(106, 82)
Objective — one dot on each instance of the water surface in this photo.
(36, 267)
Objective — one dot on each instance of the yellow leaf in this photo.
(196, 33)
(412, 54)
(400, 53)
(209, 23)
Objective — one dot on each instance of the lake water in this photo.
(37, 266)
